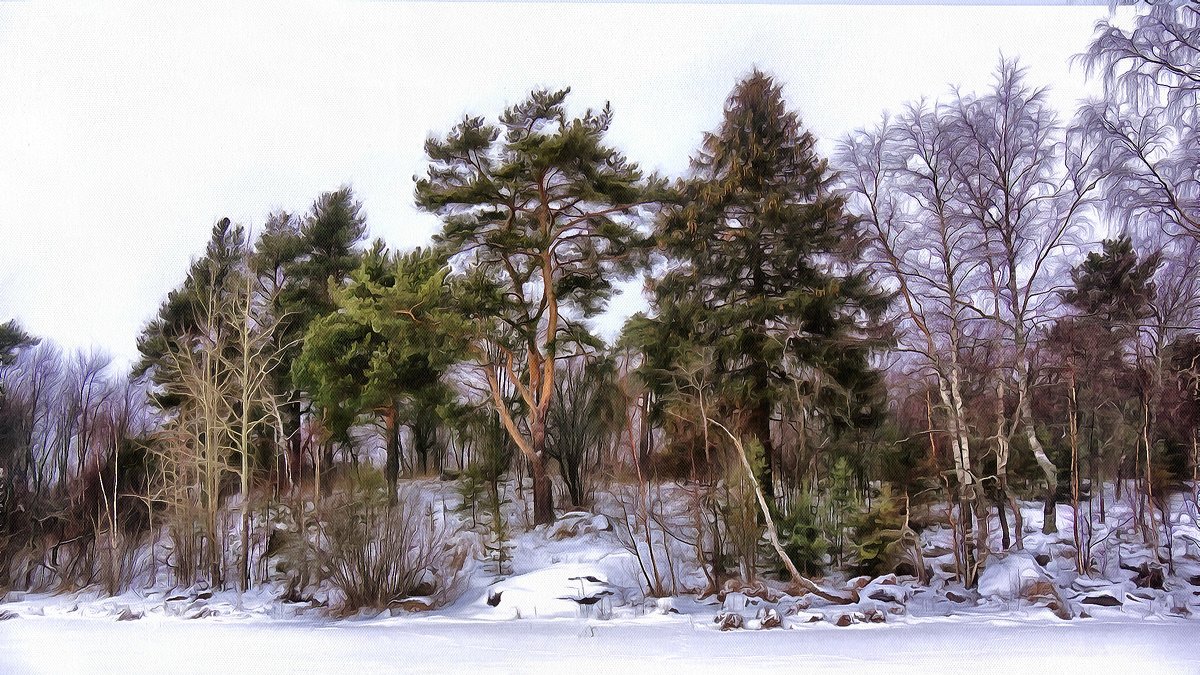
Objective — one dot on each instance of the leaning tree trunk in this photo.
(1049, 470)
(773, 534)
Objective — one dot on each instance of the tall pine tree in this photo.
(542, 210)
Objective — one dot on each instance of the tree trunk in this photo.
(392, 468)
(773, 534)
(293, 421)
(543, 494)
(1049, 470)
(758, 426)
(1073, 429)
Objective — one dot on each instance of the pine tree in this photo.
(12, 340)
(544, 214)
(312, 252)
(386, 346)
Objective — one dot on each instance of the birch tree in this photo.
(1147, 123)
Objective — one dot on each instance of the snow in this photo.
(650, 644)
(1008, 576)
(574, 595)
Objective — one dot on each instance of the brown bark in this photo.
(392, 468)
(543, 494)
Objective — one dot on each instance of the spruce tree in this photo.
(763, 272)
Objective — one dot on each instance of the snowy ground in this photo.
(652, 644)
(572, 597)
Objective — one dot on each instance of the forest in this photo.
(962, 349)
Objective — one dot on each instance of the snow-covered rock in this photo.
(1009, 576)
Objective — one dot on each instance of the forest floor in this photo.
(573, 595)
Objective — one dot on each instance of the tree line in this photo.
(974, 302)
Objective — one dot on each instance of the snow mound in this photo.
(559, 591)
(1009, 576)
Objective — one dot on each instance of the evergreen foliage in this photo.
(762, 270)
(542, 212)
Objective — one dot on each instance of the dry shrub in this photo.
(378, 554)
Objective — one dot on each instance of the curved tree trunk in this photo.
(1025, 410)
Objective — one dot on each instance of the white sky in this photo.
(126, 132)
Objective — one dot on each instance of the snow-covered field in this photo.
(652, 644)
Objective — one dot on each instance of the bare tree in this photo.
(898, 177)
(1148, 122)
(1024, 187)
(197, 448)
(250, 364)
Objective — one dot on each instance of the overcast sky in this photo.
(125, 134)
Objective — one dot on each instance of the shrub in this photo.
(877, 535)
(377, 554)
(802, 537)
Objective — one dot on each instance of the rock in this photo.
(129, 615)
(5, 615)
(1044, 592)
(1150, 576)
(771, 619)
(601, 523)
(204, 613)
(844, 620)
(1059, 608)
(1010, 576)
(204, 595)
(1103, 600)
(884, 592)
(1039, 590)
(815, 617)
(410, 605)
(1042, 559)
(875, 616)
(1194, 580)
(960, 598)
(734, 602)
(729, 620)
(858, 583)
